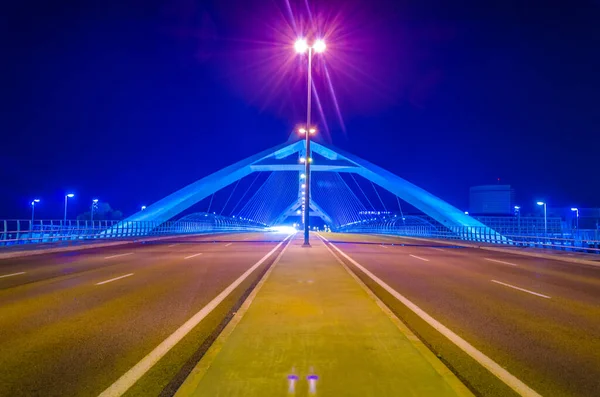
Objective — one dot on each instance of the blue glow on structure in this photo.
(335, 160)
(282, 229)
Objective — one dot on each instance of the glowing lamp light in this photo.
(574, 209)
(302, 159)
(70, 195)
(302, 176)
(94, 201)
(540, 203)
(35, 201)
(143, 207)
(302, 130)
(312, 130)
(301, 46)
(319, 46)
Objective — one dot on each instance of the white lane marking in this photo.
(383, 246)
(172, 245)
(512, 381)
(12, 274)
(418, 257)
(116, 256)
(128, 379)
(228, 244)
(114, 279)
(497, 261)
(191, 256)
(437, 249)
(520, 289)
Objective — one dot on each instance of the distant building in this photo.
(491, 200)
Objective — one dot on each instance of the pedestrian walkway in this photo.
(312, 329)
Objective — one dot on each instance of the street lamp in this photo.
(576, 210)
(143, 207)
(518, 211)
(94, 202)
(301, 46)
(33, 210)
(67, 196)
(545, 218)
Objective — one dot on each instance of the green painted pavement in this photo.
(311, 317)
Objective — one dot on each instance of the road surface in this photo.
(73, 323)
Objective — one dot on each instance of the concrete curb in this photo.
(194, 378)
(449, 377)
(555, 257)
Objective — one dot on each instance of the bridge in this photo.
(400, 293)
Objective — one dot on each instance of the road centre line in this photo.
(118, 255)
(497, 261)
(228, 244)
(520, 289)
(114, 279)
(121, 385)
(12, 274)
(192, 256)
(509, 379)
(418, 257)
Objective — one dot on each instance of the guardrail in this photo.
(14, 232)
(481, 235)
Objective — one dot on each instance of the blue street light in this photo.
(94, 202)
(143, 207)
(33, 210)
(545, 218)
(518, 213)
(577, 211)
(67, 196)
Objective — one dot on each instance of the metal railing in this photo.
(15, 232)
(485, 235)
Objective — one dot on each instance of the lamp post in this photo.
(94, 203)
(545, 218)
(518, 211)
(67, 197)
(301, 46)
(143, 207)
(576, 210)
(33, 210)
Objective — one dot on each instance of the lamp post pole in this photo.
(307, 162)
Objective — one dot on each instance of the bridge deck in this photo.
(311, 317)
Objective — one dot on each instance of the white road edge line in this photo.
(118, 255)
(497, 261)
(437, 249)
(520, 289)
(383, 246)
(418, 257)
(137, 371)
(114, 279)
(12, 274)
(191, 256)
(228, 244)
(512, 381)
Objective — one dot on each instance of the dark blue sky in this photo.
(128, 101)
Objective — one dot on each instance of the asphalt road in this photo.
(73, 323)
(547, 336)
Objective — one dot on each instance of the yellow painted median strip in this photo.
(509, 379)
(134, 374)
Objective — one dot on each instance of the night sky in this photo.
(128, 101)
